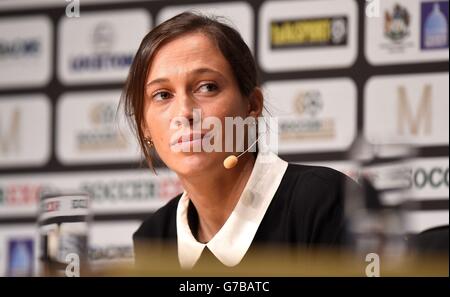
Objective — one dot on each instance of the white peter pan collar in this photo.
(230, 244)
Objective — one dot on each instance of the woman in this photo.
(193, 64)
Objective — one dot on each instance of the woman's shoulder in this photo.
(161, 224)
(312, 199)
(315, 186)
(315, 174)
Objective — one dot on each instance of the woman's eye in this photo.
(208, 87)
(161, 96)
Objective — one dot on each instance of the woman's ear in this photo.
(256, 103)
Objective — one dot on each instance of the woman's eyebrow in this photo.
(192, 72)
(158, 80)
(206, 70)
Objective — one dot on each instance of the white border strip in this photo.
(6, 5)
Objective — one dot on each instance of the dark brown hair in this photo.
(227, 39)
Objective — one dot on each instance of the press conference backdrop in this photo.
(332, 71)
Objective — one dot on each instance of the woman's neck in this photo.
(216, 193)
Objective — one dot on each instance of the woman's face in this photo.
(189, 73)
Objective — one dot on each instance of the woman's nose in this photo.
(187, 109)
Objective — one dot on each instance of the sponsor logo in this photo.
(308, 106)
(9, 135)
(135, 190)
(124, 191)
(20, 257)
(24, 120)
(426, 178)
(396, 23)
(407, 109)
(104, 58)
(434, 177)
(408, 32)
(388, 176)
(111, 252)
(16, 49)
(100, 46)
(50, 206)
(313, 115)
(410, 177)
(106, 248)
(63, 204)
(312, 32)
(434, 25)
(25, 51)
(299, 35)
(103, 134)
(91, 128)
(408, 123)
(397, 29)
(20, 194)
(23, 194)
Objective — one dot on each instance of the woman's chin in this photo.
(195, 163)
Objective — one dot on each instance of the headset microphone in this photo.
(231, 161)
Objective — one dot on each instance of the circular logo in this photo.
(309, 102)
(103, 37)
(338, 31)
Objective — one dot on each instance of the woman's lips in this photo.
(190, 137)
(184, 142)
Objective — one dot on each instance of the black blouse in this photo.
(307, 210)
